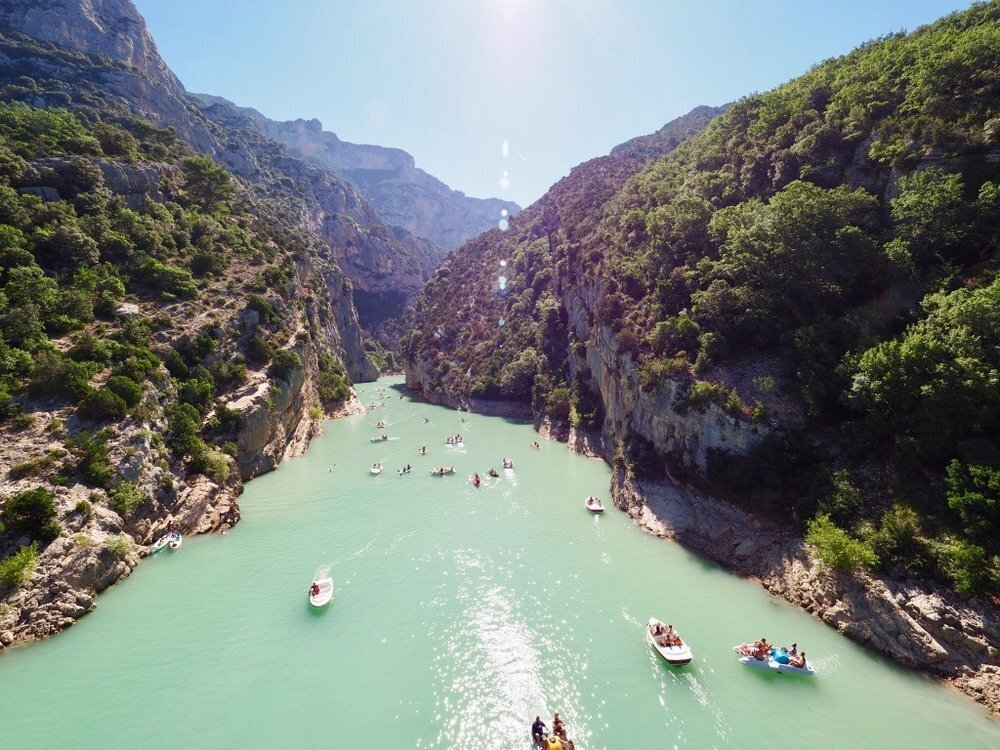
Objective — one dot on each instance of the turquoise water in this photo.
(460, 614)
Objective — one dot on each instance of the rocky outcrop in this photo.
(403, 195)
(915, 624)
(135, 183)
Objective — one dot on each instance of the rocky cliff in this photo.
(403, 195)
(686, 298)
(100, 55)
(241, 354)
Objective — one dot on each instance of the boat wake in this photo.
(323, 571)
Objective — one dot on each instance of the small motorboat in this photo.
(376, 469)
(508, 464)
(380, 439)
(171, 539)
(676, 654)
(594, 505)
(321, 592)
(442, 471)
(407, 470)
(771, 663)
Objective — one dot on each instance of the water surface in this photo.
(460, 614)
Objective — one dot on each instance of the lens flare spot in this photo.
(501, 322)
(503, 225)
(505, 149)
(503, 264)
(504, 183)
(503, 212)
(502, 280)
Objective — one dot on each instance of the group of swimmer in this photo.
(540, 733)
(762, 651)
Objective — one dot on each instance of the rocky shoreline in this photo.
(916, 624)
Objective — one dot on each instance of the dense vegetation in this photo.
(209, 272)
(839, 232)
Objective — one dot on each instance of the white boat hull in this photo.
(770, 665)
(594, 507)
(676, 656)
(325, 592)
(169, 539)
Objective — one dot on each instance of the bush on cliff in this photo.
(19, 567)
(836, 548)
(32, 512)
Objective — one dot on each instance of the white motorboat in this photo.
(321, 592)
(771, 664)
(674, 654)
(594, 505)
(508, 464)
(442, 472)
(376, 469)
(172, 539)
(407, 470)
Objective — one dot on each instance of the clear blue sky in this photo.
(561, 81)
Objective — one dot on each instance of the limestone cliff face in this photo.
(403, 195)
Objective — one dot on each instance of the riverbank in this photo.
(916, 624)
(100, 547)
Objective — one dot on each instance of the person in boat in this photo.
(763, 649)
(426, 420)
(381, 425)
(539, 731)
(559, 728)
(407, 467)
(314, 589)
(475, 478)
(423, 450)
(535, 445)
(376, 466)
(799, 660)
(492, 472)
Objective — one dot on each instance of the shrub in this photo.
(125, 388)
(83, 541)
(557, 404)
(19, 567)
(91, 453)
(702, 392)
(121, 546)
(654, 371)
(124, 498)
(33, 467)
(101, 405)
(836, 548)
(284, 363)
(85, 509)
(32, 512)
(210, 462)
(259, 351)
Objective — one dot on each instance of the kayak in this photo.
(674, 655)
(770, 664)
(325, 594)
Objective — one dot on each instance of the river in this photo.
(460, 614)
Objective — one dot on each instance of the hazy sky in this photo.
(561, 81)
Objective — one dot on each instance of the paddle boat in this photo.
(442, 471)
(321, 592)
(492, 473)
(777, 660)
(594, 505)
(380, 439)
(508, 464)
(405, 470)
(171, 539)
(423, 450)
(476, 480)
(376, 469)
(674, 651)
